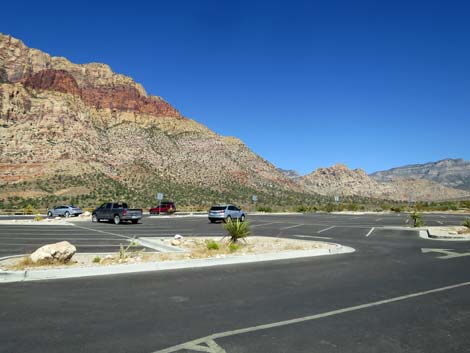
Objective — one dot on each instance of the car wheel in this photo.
(67, 214)
(94, 219)
(228, 219)
(134, 221)
(212, 220)
(242, 218)
(117, 219)
(49, 214)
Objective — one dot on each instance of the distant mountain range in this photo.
(340, 180)
(454, 173)
(81, 132)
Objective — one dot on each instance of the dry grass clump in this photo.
(26, 262)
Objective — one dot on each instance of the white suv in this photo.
(225, 213)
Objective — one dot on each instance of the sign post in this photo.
(159, 198)
(337, 202)
(254, 198)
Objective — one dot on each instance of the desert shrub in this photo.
(301, 209)
(28, 209)
(38, 218)
(466, 223)
(352, 207)
(97, 260)
(237, 230)
(395, 209)
(264, 209)
(417, 219)
(233, 247)
(330, 207)
(212, 245)
(126, 251)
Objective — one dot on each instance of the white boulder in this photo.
(60, 252)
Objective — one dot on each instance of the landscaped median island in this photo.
(174, 253)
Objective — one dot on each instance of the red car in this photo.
(164, 207)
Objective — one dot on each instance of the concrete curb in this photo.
(36, 275)
(426, 234)
(149, 242)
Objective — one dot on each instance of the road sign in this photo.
(448, 254)
(254, 198)
(336, 198)
(159, 196)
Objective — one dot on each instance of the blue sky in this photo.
(305, 84)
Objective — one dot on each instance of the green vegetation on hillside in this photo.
(94, 189)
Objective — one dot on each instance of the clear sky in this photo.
(305, 84)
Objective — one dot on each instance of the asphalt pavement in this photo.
(388, 296)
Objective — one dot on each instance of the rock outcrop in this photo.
(96, 84)
(340, 180)
(116, 98)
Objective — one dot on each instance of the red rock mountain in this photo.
(83, 130)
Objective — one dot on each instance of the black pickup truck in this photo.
(116, 212)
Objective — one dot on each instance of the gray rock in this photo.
(60, 252)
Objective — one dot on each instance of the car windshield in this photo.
(217, 208)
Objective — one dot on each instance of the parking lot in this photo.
(387, 296)
(105, 237)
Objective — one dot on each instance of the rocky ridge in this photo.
(342, 181)
(453, 173)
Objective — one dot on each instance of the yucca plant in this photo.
(237, 230)
(417, 219)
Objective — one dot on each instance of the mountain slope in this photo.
(84, 124)
(453, 173)
(340, 180)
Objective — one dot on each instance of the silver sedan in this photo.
(64, 211)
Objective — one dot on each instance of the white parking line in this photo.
(207, 344)
(294, 226)
(443, 217)
(370, 231)
(102, 231)
(440, 222)
(378, 219)
(263, 224)
(310, 236)
(324, 230)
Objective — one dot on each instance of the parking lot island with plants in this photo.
(236, 246)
